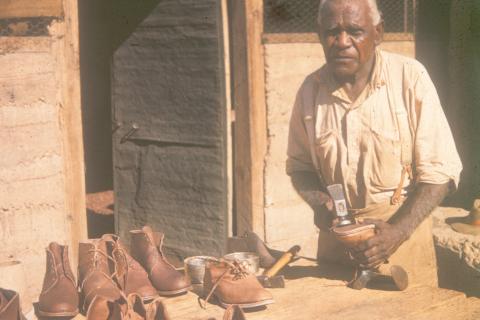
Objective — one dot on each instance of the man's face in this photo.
(348, 36)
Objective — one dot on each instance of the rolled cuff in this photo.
(439, 175)
(295, 165)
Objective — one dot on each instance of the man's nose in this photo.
(343, 40)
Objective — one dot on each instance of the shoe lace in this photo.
(97, 254)
(239, 270)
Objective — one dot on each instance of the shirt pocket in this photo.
(385, 166)
(326, 148)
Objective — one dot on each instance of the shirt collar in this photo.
(377, 80)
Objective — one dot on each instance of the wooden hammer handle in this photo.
(282, 262)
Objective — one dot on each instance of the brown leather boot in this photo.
(157, 311)
(59, 297)
(146, 247)
(231, 284)
(234, 312)
(94, 276)
(126, 308)
(102, 308)
(129, 274)
(10, 305)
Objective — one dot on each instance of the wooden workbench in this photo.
(320, 293)
(314, 292)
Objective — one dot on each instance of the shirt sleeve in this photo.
(436, 157)
(298, 151)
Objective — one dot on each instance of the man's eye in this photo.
(331, 32)
(356, 32)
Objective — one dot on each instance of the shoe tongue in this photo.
(155, 237)
(147, 229)
(3, 301)
(57, 252)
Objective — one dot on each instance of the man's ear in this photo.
(319, 35)
(379, 31)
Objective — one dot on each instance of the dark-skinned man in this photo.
(372, 121)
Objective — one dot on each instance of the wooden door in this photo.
(168, 93)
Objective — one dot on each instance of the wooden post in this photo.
(250, 114)
(71, 119)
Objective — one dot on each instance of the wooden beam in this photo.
(313, 37)
(30, 8)
(71, 119)
(229, 112)
(250, 114)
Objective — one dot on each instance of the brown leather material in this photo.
(129, 274)
(126, 308)
(233, 285)
(94, 274)
(234, 312)
(59, 297)
(157, 311)
(352, 235)
(101, 308)
(10, 305)
(146, 247)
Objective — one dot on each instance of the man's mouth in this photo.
(342, 58)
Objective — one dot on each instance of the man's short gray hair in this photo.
(372, 6)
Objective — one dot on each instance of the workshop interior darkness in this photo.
(449, 58)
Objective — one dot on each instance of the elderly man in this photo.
(372, 121)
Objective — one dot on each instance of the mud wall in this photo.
(41, 171)
(288, 219)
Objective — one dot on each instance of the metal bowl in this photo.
(249, 258)
(195, 267)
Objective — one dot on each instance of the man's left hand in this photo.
(380, 247)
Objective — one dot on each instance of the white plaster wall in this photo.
(288, 220)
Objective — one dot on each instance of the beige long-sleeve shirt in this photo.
(358, 143)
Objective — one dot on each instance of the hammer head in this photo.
(271, 282)
(395, 274)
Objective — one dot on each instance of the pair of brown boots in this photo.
(10, 305)
(107, 270)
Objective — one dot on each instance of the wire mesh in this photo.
(25, 27)
(299, 16)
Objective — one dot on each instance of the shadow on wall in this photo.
(104, 26)
(450, 50)
(456, 275)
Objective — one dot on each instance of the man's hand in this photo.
(380, 247)
(309, 188)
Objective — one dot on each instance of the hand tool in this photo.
(341, 211)
(269, 278)
(395, 273)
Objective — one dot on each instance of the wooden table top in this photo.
(314, 292)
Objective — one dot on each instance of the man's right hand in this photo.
(307, 184)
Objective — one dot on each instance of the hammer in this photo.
(396, 273)
(269, 278)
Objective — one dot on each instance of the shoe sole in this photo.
(175, 292)
(149, 298)
(57, 314)
(247, 305)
